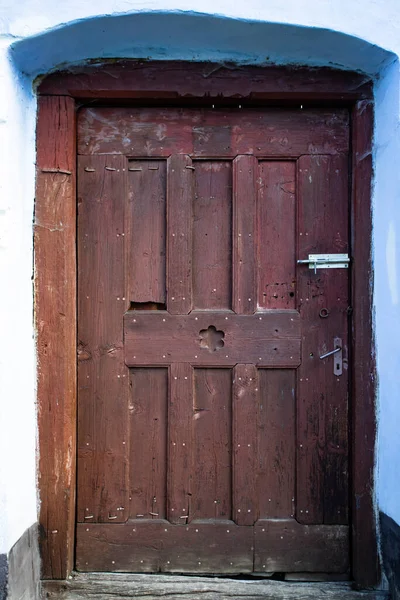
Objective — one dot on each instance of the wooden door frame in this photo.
(179, 83)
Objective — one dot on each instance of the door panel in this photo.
(103, 378)
(146, 231)
(244, 227)
(244, 484)
(211, 338)
(212, 235)
(212, 438)
(152, 546)
(322, 413)
(276, 443)
(276, 218)
(212, 444)
(180, 185)
(204, 133)
(149, 440)
(180, 444)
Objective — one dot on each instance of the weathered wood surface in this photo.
(205, 133)
(146, 230)
(276, 234)
(224, 453)
(272, 83)
(180, 444)
(276, 440)
(246, 398)
(322, 418)
(266, 339)
(55, 325)
(103, 378)
(286, 545)
(148, 446)
(244, 239)
(142, 545)
(212, 235)
(150, 587)
(179, 234)
(185, 80)
(365, 558)
(212, 440)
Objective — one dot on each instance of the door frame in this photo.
(181, 84)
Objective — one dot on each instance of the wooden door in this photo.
(212, 437)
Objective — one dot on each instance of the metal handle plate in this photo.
(338, 356)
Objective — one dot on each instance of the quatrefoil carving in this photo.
(212, 339)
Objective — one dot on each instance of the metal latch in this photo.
(326, 261)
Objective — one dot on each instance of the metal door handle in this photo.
(338, 349)
(338, 361)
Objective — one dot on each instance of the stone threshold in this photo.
(110, 586)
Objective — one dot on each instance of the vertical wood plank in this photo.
(276, 443)
(180, 184)
(146, 233)
(103, 378)
(366, 570)
(322, 430)
(180, 436)
(276, 235)
(244, 444)
(244, 215)
(148, 442)
(212, 235)
(55, 323)
(212, 441)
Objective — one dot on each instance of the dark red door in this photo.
(212, 436)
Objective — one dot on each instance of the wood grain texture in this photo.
(148, 410)
(322, 422)
(245, 469)
(365, 558)
(285, 545)
(180, 444)
(244, 221)
(297, 83)
(212, 235)
(212, 444)
(100, 586)
(180, 183)
(103, 379)
(157, 338)
(145, 231)
(276, 474)
(276, 234)
(177, 80)
(206, 133)
(156, 545)
(55, 323)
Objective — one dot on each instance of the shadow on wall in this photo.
(194, 36)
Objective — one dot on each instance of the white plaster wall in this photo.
(17, 353)
(43, 34)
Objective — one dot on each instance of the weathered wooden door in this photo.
(212, 436)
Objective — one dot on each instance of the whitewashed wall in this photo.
(38, 35)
